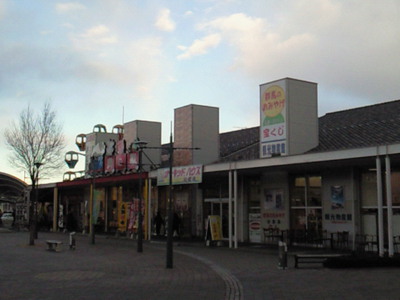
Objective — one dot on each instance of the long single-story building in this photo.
(306, 179)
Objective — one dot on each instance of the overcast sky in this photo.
(124, 60)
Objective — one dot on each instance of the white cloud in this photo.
(96, 31)
(2, 10)
(67, 7)
(348, 45)
(94, 37)
(164, 21)
(200, 47)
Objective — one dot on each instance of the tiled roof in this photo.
(239, 145)
(366, 126)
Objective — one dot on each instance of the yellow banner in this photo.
(215, 228)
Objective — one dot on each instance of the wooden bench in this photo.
(313, 258)
(53, 245)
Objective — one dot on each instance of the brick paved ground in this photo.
(113, 269)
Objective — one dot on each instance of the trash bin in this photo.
(282, 255)
(72, 240)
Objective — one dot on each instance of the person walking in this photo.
(159, 222)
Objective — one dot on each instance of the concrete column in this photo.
(55, 208)
(389, 204)
(148, 209)
(235, 199)
(380, 205)
(230, 209)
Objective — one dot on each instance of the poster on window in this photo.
(337, 197)
(273, 199)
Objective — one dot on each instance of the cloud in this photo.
(348, 46)
(164, 21)
(67, 7)
(94, 37)
(199, 47)
(2, 10)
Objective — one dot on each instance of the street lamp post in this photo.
(71, 158)
(37, 165)
(91, 219)
(140, 145)
(169, 264)
(33, 206)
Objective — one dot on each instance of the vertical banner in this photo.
(61, 216)
(96, 205)
(215, 228)
(122, 215)
(273, 117)
(132, 223)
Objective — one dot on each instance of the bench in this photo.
(313, 258)
(53, 245)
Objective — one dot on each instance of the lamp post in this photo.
(139, 146)
(71, 158)
(170, 253)
(169, 264)
(37, 165)
(33, 206)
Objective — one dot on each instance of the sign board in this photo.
(255, 227)
(273, 119)
(214, 228)
(180, 175)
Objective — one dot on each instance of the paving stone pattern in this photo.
(112, 269)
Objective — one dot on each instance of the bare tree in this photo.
(36, 143)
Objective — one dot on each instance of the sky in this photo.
(109, 62)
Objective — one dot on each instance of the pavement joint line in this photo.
(234, 289)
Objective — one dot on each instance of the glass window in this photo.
(368, 189)
(395, 188)
(298, 219)
(306, 203)
(298, 197)
(314, 191)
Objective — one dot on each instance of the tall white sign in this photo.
(273, 117)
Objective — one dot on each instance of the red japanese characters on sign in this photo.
(274, 131)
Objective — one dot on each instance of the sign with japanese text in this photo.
(215, 227)
(180, 175)
(273, 125)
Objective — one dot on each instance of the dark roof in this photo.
(366, 126)
(239, 145)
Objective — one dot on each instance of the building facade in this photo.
(296, 176)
